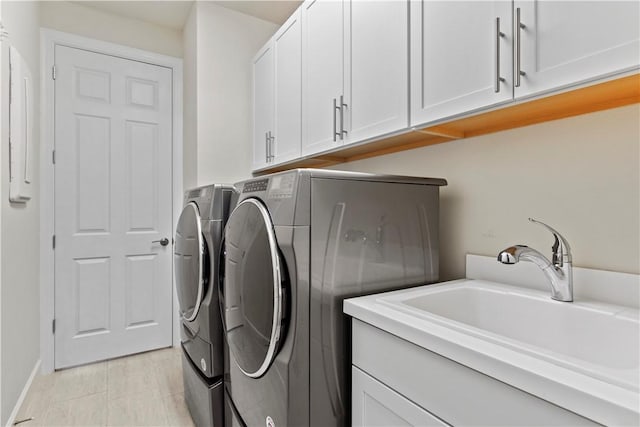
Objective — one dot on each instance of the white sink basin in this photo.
(600, 340)
(592, 335)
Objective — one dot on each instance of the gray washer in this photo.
(196, 254)
(296, 245)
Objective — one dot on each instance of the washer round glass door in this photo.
(251, 288)
(191, 262)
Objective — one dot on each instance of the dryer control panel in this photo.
(255, 186)
(282, 186)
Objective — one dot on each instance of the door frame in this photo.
(49, 39)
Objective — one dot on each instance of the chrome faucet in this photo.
(558, 270)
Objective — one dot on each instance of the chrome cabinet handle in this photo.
(163, 242)
(335, 133)
(519, 26)
(342, 107)
(266, 147)
(499, 34)
(271, 140)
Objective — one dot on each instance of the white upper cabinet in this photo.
(376, 75)
(354, 71)
(287, 45)
(263, 106)
(342, 72)
(277, 96)
(461, 57)
(563, 43)
(466, 56)
(322, 74)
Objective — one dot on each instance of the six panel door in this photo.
(113, 205)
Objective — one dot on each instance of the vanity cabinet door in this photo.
(375, 404)
(461, 57)
(455, 393)
(563, 43)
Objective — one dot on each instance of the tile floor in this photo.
(140, 390)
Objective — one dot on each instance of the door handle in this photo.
(164, 241)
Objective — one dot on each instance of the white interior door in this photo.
(113, 199)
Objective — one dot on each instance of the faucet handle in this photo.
(561, 249)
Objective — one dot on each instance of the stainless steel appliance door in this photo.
(191, 260)
(251, 288)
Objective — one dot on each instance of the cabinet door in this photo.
(322, 71)
(459, 61)
(287, 44)
(374, 404)
(569, 42)
(263, 104)
(376, 68)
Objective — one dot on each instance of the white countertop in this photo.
(607, 396)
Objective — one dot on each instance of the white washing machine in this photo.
(196, 253)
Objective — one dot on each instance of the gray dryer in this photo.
(295, 246)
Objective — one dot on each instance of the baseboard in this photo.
(23, 395)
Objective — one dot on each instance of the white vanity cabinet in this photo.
(461, 57)
(277, 96)
(354, 71)
(403, 381)
(563, 43)
(375, 404)
(467, 56)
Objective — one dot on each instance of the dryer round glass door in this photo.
(251, 288)
(191, 262)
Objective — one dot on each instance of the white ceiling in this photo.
(174, 14)
(276, 11)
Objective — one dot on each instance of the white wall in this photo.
(90, 22)
(20, 293)
(190, 122)
(226, 43)
(580, 175)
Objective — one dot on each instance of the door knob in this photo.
(164, 241)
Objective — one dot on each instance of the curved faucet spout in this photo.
(558, 271)
(513, 254)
